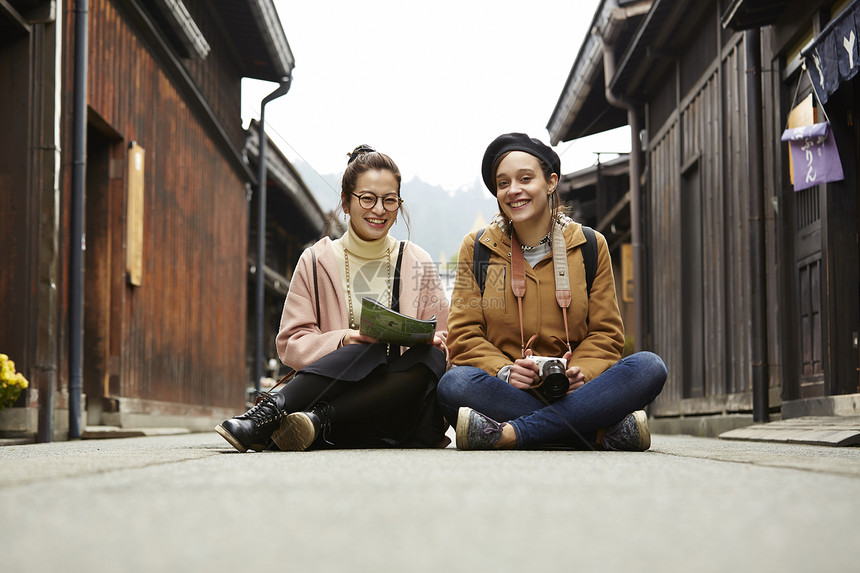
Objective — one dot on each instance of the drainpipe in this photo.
(758, 343)
(79, 165)
(47, 362)
(635, 170)
(261, 229)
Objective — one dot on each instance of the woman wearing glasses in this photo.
(352, 390)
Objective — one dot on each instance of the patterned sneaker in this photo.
(253, 429)
(629, 435)
(476, 431)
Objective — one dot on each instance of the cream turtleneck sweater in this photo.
(369, 273)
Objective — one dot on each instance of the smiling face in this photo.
(374, 223)
(523, 190)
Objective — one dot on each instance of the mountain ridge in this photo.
(439, 218)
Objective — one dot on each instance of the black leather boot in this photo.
(253, 429)
(300, 430)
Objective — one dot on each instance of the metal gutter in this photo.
(607, 36)
(49, 252)
(79, 166)
(758, 269)
(259, 367)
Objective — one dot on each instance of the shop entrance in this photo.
(826, 291)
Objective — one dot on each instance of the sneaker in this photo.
(253, 429)
(476, 431)
(629, 435)
(300, 430)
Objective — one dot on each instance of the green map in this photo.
(380, 322)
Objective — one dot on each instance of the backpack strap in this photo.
(316, 284)
(589, 257)
(394, 351)
(395, 287)
(480, 261)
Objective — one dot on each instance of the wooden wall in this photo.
(698, 244)
(218, 76)
(665, 254)
(736, 227)
(17, 214)
(180, 336)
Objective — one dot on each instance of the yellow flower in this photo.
(11, 382)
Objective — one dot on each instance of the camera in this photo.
(552, 381)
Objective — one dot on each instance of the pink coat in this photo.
(305, 338)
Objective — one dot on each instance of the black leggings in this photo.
(384, 405)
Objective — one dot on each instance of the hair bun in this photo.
(358, 151)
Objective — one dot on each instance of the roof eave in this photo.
(273, 36)
(749, 14)
(580, 83)
(582, 108)
(655, 45)
(581, 80)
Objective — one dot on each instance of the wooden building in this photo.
(747, 288)
(165, 215)
(599, 197)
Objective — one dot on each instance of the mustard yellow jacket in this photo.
(485, 331)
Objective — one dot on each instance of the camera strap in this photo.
(562, 279)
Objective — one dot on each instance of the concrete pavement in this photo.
(191, 503)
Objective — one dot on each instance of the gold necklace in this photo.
(352, 324)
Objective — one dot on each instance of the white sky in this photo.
(430, 83)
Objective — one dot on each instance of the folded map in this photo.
(380, 322)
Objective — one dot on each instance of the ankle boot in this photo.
(253, 429)
(300, 430)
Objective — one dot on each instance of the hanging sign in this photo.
(834, 56)
(801, 115)
(814, 155)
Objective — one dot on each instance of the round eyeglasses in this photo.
(368, 201)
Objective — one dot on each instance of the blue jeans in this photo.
(631, 384)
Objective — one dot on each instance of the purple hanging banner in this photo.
(813, 155)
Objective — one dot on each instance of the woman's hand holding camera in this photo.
(523, 373)
(574, 374)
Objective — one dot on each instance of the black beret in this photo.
(516, 142)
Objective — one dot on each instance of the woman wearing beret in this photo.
(535, 303)
(351, 390)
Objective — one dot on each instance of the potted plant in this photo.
(11, 382)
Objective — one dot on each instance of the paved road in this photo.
(189, 503)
